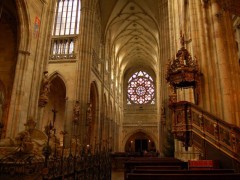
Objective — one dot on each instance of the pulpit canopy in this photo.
(183, 71)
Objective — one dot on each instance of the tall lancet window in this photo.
(140, 89)
(65, 29)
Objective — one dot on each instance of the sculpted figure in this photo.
(45, 84)
(89, 114)
(24, 141)
(45, 89)
(76, 112)
(89, 121)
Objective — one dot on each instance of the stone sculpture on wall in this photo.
(44, 91)
(76, 112)
(89, 119)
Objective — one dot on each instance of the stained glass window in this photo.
(140, 89)
(65, 29)
(67, 17)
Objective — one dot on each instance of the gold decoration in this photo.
(183, 71)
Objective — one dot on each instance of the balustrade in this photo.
(189, 118)
(63, 48)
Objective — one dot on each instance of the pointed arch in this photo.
(104, 119)
(57, 102)
(109, 123)
(135, 131)
(140, 141)
(94, 125)
(15, 34)
(24, 30)
(59, 75)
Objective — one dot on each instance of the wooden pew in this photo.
(152, 162)
(158, 167)
(220, 176)
(173, 169)
(156, 171)
(146, 161)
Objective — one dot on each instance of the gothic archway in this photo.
(103, 122)
(140, 142)
(9, 27)
(110, 126)
(93, 126)
(57, 103)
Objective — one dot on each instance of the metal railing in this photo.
(84, 165)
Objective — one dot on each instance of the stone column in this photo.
(85, 59)
(41, 59)
(166, 36)
(18, 110)
(197, 42)
(211, 88)
(201, 39)
(234, 64)
(223, 64)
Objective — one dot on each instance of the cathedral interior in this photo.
(122, 77)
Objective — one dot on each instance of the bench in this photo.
(157, 167)
(156, 171)
(153, 162)
(220, 176)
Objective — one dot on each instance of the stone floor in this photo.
(117, 175)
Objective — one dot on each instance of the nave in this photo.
(84, 81)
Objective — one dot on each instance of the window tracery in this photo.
(140, 89)
(65, 29)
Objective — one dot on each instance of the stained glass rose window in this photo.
(140, 89)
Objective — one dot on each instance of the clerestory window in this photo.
(65, 29)
(140, 89)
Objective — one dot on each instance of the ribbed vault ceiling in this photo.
(131, 26)
(133, 31)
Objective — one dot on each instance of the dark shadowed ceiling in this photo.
(231, 5)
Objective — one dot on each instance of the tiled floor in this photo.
(117, 175)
